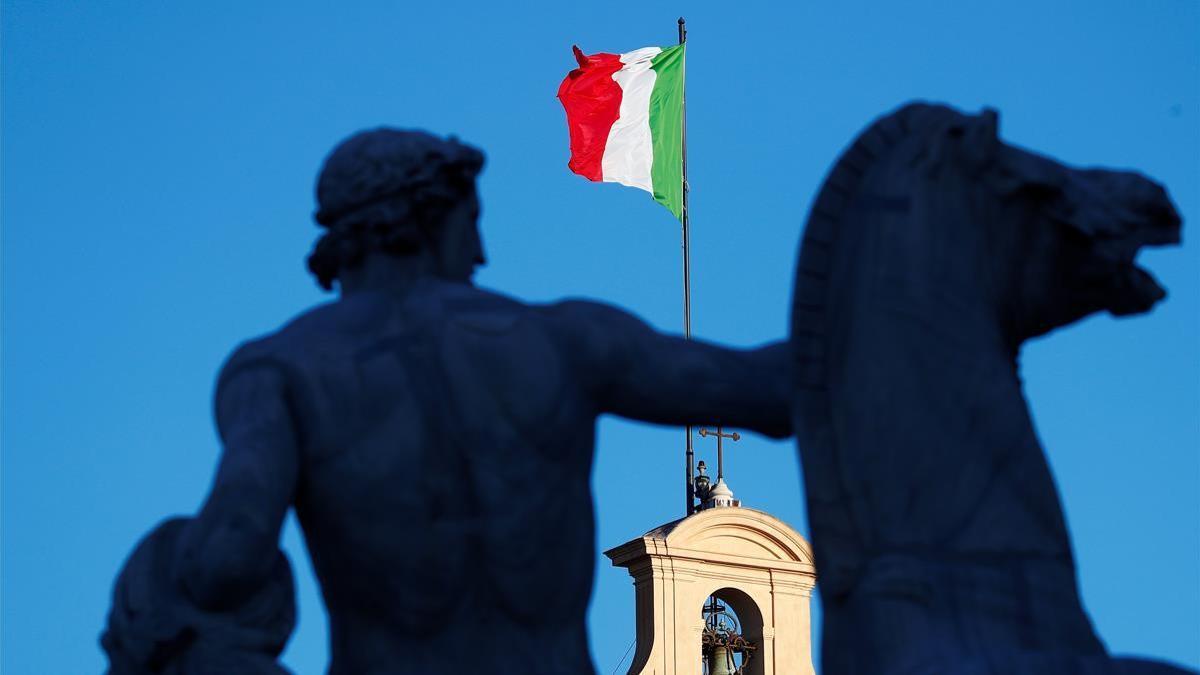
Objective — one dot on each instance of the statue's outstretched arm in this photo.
(636, 372)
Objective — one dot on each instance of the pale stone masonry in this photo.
(752, 561)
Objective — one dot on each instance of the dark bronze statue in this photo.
(933, 251)
(435, 440)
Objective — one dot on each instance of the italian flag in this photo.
(625, 115)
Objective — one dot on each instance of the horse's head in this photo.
(1066, 238)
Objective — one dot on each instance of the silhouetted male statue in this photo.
(434, 439)
(932, 252)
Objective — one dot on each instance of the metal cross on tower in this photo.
(715, 493)
(721, 435)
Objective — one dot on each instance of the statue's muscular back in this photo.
(435, 426)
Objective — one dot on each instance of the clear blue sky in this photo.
(158, 164)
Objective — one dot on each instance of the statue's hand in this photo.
(154, 628)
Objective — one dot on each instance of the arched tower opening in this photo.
(732, 640)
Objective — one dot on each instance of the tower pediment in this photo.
(754, 537)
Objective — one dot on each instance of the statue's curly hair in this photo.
(387, 190)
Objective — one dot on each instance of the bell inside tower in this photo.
(724, 645)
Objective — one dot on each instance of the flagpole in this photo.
(687, 275)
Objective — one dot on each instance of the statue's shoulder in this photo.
(479, 310)
(345, 324)
(454, 292)
(485, 311)
(306, 336)
(342, 327)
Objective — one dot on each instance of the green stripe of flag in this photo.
(666, 128)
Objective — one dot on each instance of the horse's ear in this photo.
(970, 143)
(981, 139)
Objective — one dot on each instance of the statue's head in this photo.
(399, 193)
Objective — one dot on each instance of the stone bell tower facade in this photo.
(725, 578)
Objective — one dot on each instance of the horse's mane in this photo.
(809, 306)
(840, 237)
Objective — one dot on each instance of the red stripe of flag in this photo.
(592, 99)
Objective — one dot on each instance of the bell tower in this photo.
(724, 591)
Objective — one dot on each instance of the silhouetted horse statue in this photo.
(932, 252)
